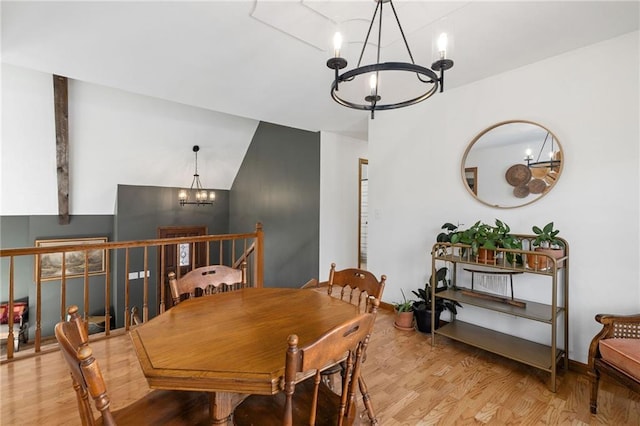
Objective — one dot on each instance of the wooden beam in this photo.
(61, 105)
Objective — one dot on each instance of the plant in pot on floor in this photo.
(546, 241)
(404, 314)
(422, 307)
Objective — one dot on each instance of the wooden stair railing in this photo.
(247, 247)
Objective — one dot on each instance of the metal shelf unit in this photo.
(545, 357)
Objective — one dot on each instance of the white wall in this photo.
(339, 158)
(415, 182)
(121, 138)
(28, 147)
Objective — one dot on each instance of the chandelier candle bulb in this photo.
(337, 44)
(443, 40)
(373, 82)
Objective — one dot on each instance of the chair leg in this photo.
(594, 378)
(366, 399)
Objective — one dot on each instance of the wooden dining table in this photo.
(232, 344)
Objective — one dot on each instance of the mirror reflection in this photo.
(512, 164)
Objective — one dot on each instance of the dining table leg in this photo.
(221, 406)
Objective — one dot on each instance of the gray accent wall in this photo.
(278, 184)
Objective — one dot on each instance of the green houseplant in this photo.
(546, 241)
(422, 306)
(484, 239)
(404, 313)
(445, 237)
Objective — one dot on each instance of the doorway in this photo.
(179, 258)
(363, 212)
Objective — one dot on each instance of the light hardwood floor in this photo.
(411, 383)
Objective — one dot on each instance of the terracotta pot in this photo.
(404, 320)
(486, 256)
(542, 263)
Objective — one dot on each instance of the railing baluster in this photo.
(233, 252)
(127, 314)
(145, 297)
(193, 257)
(178, 267)
(107, 295)
(86, 290)
(63, 295)
(163, 304)
(38, 306)
(10, 336)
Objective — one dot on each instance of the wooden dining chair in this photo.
(311, 402)
(157, 407)
(358, 287)
(208, 279)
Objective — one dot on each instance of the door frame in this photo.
(362, 164)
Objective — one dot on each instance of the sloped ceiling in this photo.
(265, 60)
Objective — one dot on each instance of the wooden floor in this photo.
(411, 383)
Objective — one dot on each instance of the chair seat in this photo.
(163, 407)
(623, 354)
(265, 410)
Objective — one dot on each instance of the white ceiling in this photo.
(265, 60)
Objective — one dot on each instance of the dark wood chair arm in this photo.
(627, 326)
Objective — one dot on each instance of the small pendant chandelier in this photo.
(373, 100)
(196, 194)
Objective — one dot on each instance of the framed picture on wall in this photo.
(471, 177)
(50, 264)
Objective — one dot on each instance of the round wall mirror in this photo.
(512, 164)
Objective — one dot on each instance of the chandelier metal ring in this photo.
(386, 66)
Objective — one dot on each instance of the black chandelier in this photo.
(196, 194)
(372, 101)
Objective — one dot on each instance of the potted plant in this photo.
(546, 241)
(484, 239)
(422, 306)
(404, 314)
(445, 237)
